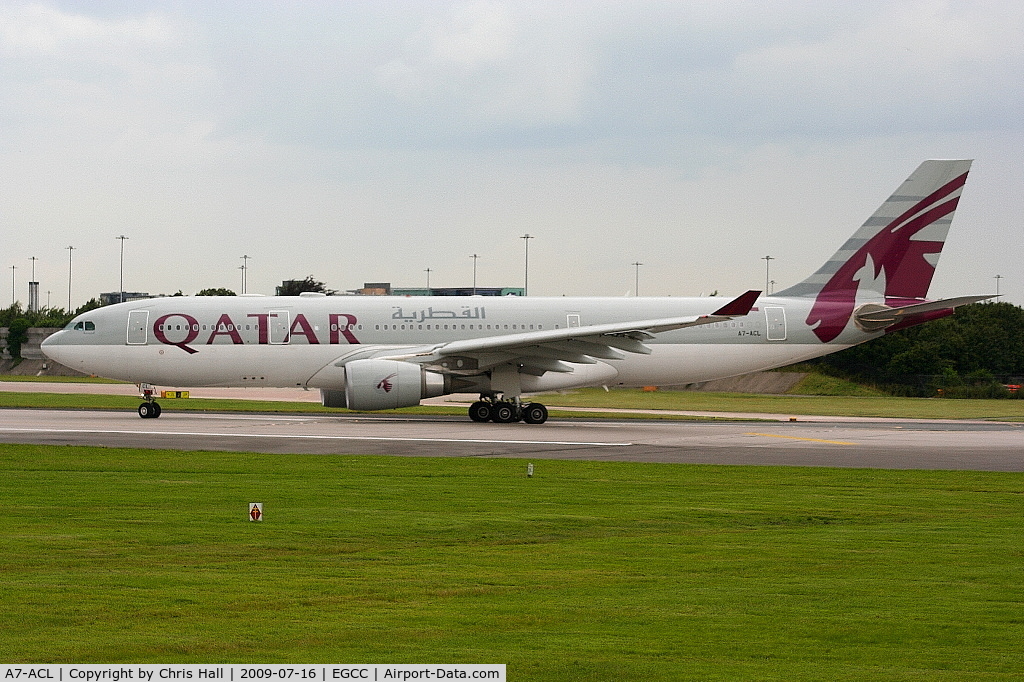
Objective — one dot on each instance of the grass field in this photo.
(850, 406)
(51, 379)
(853, 406)
(87, 401)
(587, 571)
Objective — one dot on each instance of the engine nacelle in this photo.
(387, 384)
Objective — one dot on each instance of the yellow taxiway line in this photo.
(813, 440)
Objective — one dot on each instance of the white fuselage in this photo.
(302, 341)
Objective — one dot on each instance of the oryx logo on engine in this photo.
(385, 383)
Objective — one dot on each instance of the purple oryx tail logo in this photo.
(898, 256)
(385, 383)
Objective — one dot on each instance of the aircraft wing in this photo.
(551, 350)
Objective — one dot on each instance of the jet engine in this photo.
(384, 385)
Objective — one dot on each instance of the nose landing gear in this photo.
(151, 408)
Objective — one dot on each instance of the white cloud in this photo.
(488, 65)
(478, 33)
(910, 67)
(40, 30)
(360, 141)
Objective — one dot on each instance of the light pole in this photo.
(636, 280)
(474, 257)
(14, 284)
(121, 296)
(70, 250)
(526, 277)
(767, 263)
(998, 277)
(245, 268)
(428, 280)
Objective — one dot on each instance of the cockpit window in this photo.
(85, 326)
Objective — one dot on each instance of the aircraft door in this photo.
(572, 320)
(138, 327)
(280, 324)
(776, 318)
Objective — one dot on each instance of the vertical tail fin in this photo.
(893, 255)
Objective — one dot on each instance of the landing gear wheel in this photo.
(535, 413)
(149, 410)
(481, 411)
(504, 413)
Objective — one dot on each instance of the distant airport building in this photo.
(373, 289)
(385, 289)
(33, 297)
(460, 291)
(112, 297)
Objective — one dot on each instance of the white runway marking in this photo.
(315, 437)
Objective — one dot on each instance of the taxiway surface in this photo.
(889, 444)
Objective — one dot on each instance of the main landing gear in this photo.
(507, 411)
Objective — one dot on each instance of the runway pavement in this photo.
(890, 444)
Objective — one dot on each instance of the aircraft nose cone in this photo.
(51, 345)
(51, 340)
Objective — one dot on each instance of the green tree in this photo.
(46, 317)
(16, 335)
(220, 291)
(91, 304)
(18, 321)
(981, 340)
(8, 315)
(294, 287)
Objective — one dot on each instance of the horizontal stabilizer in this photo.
(872, 317)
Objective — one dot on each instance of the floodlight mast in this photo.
(526, 276)
(70, 250)
(245, 269)
(474, 257)
(121, 292)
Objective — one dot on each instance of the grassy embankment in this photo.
(816, 395)
(851, 406)
(588, 571)
(562, 405)
(47, 379)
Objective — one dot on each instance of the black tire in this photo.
(504, 413)
(481, 411)
(535, 413)
(157, 410)
(146, 410)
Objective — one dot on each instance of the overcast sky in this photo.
(369, 141)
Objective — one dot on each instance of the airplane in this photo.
(385, 352)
